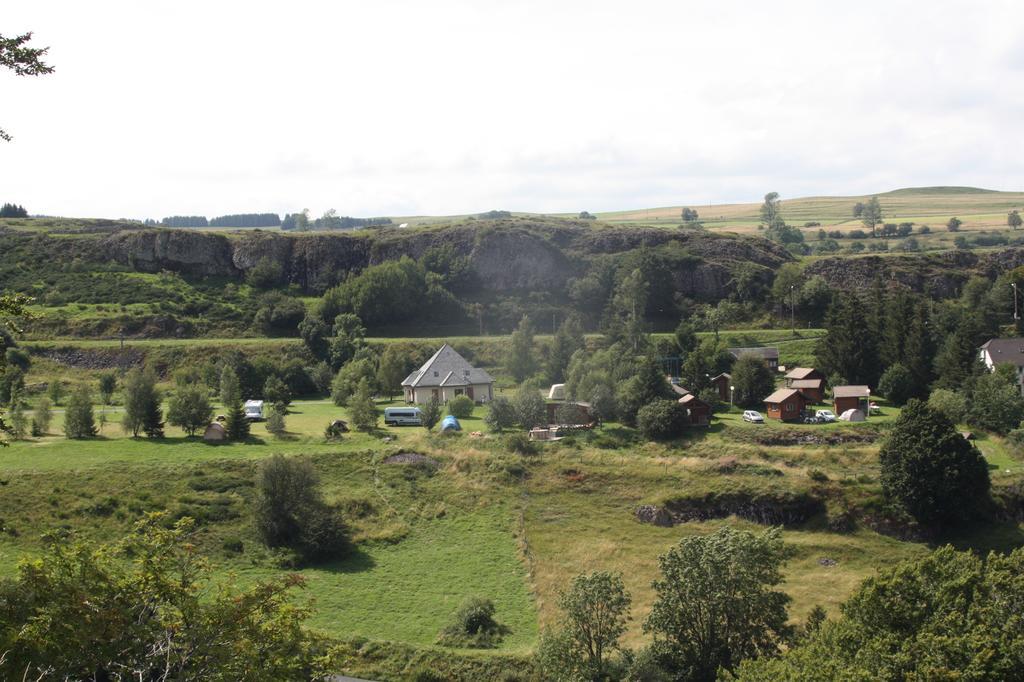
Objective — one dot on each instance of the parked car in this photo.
(825, 416)
(753, 416)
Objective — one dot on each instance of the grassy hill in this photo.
(978, 208)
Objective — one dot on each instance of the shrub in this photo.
(78, 415)
(662, 420)
(473, 626)
(430, 413)
(501, 414)
(275, 422)
(290, 512)
(41, 417)
(190, 409)
(362, 409)
(949, 403)
(521, 444)
(529, 407)
(460, 406)
(108, 383)
(897, 384)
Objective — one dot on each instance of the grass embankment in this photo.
(486, 522)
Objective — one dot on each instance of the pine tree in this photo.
(568, 339)
(848, 348)
(237, 424)
(919, 349)
(521, 362)
(957, 360)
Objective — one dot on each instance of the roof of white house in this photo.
(1005, 351)
(447, 368)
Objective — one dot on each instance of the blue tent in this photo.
(450, 423)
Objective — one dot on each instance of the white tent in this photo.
(852, 416)
(557, 392)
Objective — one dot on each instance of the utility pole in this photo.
(792, 309)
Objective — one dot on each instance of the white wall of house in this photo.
(481, 393)
(991, 366)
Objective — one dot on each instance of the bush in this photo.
(662, 420)
(530, 408)
(290, 512)
(931, 470)
(461, 406)
(78, 415)
(473, 626)
(275, 422)
(897, 384)
(949, 403)
(190, 409)
(362, 409)
(41, 417)
(521, 444)
(500, 414)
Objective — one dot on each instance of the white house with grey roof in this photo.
(1004, 352)
(446, 375)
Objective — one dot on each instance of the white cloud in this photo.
(398, 107)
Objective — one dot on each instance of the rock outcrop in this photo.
(507, 256)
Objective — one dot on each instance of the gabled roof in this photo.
(783, 394)
(766, 352)
(447, 368)
(1005, 351)
(807, 383)
(725, 375)
(691, 399)
(851, 392)
(801, 372)
(679, 390)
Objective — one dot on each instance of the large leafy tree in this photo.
(716, 603)
(996, 403)
(647, 385)
(143, 608)
(595, 612)
(752, 379)
(947, 616)
(17, 55)
(142, 411)
(871, 214)
(190, 409)
(932, 471)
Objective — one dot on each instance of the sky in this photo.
(394, 107)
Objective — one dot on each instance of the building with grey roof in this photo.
(446, 375)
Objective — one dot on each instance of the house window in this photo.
(435, 374)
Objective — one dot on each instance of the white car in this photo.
(753, 416)
(825, 415)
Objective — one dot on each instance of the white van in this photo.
(253, 410)
(403, 416)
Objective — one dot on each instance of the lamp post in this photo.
(1016, 316)
(732, 389)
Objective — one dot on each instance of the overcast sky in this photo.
(388, 107)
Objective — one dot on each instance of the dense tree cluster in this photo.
(185, 221)
(13, 211)
(246, 220)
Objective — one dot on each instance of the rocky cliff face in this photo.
(507, 256)
(939, 275)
